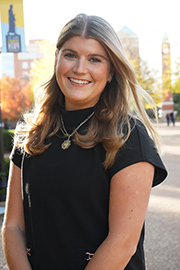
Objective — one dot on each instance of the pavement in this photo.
(162, 239)
(162, 243)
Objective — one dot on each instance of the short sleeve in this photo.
(139, 148)
(16, 156)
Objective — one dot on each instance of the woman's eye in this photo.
(95, 60)
(69, 55)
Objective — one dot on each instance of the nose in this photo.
(80, 66)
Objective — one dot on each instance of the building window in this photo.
(33, 55)
(24, 65)
(7, 64)
(22, 56)
(32, 64)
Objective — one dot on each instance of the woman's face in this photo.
(83, 69)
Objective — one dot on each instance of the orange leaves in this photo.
(17, 94)
(16, 97)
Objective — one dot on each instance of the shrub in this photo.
(8, 138)
(3, 180)
(3, 184)
(7, 163)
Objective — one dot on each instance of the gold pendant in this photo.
(65, 145)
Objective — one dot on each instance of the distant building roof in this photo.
(126, 31)
(165, 38)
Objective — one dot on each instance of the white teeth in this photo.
(78, 81)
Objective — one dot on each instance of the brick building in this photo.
(18, 65)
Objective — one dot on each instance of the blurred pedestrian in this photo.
(83, 163)
(167, 119)
(172, 118)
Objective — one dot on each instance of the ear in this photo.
(111, 75)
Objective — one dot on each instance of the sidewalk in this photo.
(162, 244)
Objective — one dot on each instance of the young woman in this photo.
(83, 163)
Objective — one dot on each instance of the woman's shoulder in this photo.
(17, 154)
(135, 127)
(138, 147)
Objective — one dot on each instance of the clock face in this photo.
(165, 50)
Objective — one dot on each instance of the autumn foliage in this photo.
(16, 97)
(43, 68)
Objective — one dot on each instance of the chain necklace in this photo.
(66, 143)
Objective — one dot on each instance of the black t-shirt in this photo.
(66, 196)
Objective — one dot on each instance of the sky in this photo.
(148, 19)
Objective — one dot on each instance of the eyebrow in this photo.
(68, 50)
(92, 54)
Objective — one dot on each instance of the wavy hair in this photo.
(120, 100)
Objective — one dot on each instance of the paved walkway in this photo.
(162, 244)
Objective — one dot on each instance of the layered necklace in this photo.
(66, 143)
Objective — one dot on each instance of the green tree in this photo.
(176, 98)
(149, 80)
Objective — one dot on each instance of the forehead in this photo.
(78, 43)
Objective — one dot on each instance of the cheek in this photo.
(59, 69)
(96, 73)
(62, 66)
(101, 76)
(102, 72)
(60, 73)
(59, 76)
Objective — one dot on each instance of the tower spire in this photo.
(165, 38)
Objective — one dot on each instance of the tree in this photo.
(43, 68)
(149, 80)
(176, 98)
(175, 85)
(16, 97)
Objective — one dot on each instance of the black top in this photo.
(66, 196)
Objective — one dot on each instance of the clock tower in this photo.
(167, 104)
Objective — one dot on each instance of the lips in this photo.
(80, 82)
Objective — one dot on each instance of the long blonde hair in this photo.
(120, 99)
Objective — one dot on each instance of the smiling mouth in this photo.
(80, 82)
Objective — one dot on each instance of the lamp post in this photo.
(2, 167)
(3, 179)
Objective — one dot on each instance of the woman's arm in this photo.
(13, 230)
(129, 195)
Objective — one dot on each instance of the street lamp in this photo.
(2, 168)
(3, 179)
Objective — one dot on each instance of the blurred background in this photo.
(149, 32)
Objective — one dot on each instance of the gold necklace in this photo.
(66, 143)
